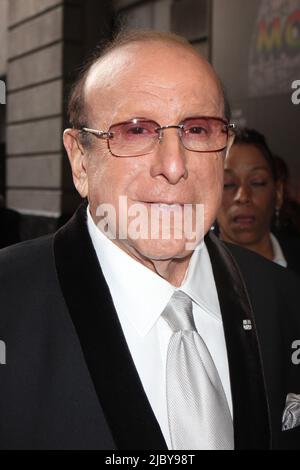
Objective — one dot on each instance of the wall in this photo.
(47, 42)
(256, 50)
(3, 36)
(189, 18)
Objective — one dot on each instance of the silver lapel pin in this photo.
(247, 324)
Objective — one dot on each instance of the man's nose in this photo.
(170, 157)
(243, 194)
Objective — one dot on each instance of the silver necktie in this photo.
(198, 412)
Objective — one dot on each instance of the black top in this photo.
(290, 245)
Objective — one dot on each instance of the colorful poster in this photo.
(274, 58)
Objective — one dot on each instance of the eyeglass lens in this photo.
(138, 137)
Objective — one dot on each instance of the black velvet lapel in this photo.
(250, 407)
(119, 389)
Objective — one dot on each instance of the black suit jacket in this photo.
(9, 227)
(69, 381)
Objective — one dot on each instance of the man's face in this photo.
(166, 84)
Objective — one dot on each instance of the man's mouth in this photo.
(166, 206)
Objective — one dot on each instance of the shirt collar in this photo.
(199, 283)
(278, 256)
(143, 305)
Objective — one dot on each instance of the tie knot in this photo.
(179, 312)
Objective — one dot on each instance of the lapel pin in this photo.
(247, 325)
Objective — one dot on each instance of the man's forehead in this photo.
(156, 71)
(148, 60)
(105, 70)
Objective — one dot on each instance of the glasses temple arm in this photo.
(101, 134)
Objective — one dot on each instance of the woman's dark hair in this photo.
(253, 137)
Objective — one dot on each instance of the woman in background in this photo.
(252, 200)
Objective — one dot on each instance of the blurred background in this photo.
(254, 46)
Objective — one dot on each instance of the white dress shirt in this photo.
(140, 296)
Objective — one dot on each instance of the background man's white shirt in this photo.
(278, 256)
(140, 296)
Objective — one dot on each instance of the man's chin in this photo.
(160, 250)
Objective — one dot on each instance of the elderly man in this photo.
(132, 327)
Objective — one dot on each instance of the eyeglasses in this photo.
(139, 136)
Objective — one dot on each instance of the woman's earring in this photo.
(277, 218)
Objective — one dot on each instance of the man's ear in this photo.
(77, 157)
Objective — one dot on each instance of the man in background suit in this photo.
(83, 312)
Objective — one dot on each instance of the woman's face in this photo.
(250, 196)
